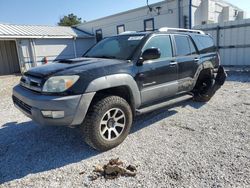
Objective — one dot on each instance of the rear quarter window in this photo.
(205, 44)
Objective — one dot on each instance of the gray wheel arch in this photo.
(116, 80)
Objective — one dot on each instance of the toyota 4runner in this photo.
(118, 78)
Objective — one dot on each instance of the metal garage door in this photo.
(8, 58)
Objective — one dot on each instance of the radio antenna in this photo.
(150, 8)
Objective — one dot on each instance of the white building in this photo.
(232, 39)
(25, 46)
(170, 13)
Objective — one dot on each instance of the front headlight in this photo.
(58, 84)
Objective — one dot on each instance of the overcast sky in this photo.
(48, 12)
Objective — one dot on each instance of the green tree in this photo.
(69, 20)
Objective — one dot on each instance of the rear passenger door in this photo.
(188, 61)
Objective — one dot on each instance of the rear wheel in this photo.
(107, 123)
(202, 91)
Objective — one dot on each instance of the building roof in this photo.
(40, 31)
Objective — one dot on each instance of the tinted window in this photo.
(182, 45)
(118, 47)
(162, 42)
(204, 44)
(192, 47)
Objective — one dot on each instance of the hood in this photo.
(80, 64)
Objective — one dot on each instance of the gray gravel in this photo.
(188, 145)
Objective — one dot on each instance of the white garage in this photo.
(26, 46)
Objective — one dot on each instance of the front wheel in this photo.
(107, 123)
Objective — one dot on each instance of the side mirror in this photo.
(151, 53)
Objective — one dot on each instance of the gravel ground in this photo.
(188, 145)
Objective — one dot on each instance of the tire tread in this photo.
(94, 114)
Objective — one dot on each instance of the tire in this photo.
(203, 88)
(107, 123)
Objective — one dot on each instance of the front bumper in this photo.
(31, 104)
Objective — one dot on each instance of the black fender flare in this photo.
(201, 67)
(116, 80)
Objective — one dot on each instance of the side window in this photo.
(204, 44)
(182, 45)
(192, 47)
(162, 42)
(98, 34)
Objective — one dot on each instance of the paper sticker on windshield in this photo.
(136, 38)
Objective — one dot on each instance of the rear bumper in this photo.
(31, 104)
(221, 76)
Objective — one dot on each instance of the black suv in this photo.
(118, 78)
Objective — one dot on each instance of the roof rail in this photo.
(128, 32)
(166, 29)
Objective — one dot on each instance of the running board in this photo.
(169, 102)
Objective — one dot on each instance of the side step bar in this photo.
(169, 102)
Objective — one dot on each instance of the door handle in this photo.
(196, 59)
(172, 64)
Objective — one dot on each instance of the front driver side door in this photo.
(157, 78)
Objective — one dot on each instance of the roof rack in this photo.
(166, 29)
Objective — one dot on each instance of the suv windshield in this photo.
(118, 47)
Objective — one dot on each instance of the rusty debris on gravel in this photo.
(113, 169)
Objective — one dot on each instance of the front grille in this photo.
(22, 105)
(31, 83)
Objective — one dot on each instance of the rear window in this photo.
(205, 44)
